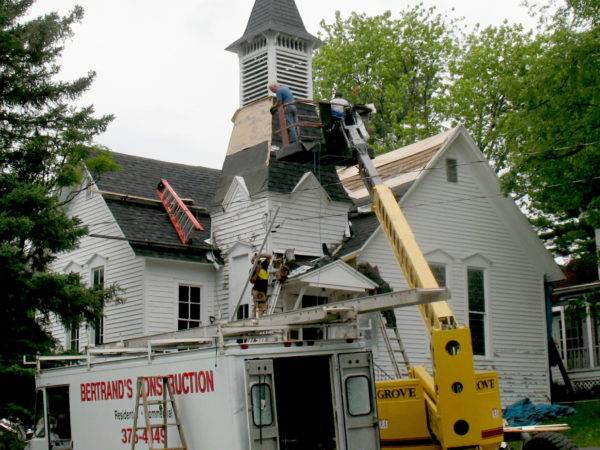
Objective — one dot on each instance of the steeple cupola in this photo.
(275, 48)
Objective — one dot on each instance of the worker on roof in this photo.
(260, 280)
(284, 96)
(338, 106)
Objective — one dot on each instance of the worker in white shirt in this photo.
(338, 104)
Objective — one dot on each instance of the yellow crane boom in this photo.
(462, 407)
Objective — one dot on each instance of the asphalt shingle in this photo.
(146, 224)
(140, 177)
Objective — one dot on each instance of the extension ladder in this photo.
(181, 217)
(156, 432)
(388, 344)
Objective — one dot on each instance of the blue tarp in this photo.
(524, 412)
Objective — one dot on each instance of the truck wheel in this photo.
(549, 441)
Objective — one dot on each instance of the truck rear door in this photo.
(52, 429)
(262, 417)
(358, 394)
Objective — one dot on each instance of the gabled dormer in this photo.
(275, 48)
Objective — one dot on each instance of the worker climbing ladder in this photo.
(181, 217)
(156, 432)
(278, 276)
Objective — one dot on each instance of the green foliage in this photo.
(397, 64)
(45, 142)
(554, 133)
(530, 101)
(481, 79)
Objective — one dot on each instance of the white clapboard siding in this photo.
(121, 266)
(308, 219)
(163, 278)
(462, 220)
(240, 220)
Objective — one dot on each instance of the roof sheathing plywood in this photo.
(252, 125)
(398, 166)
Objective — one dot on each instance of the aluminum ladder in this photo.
(388, 344)
(153, 433)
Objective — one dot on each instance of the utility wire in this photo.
(409, 206)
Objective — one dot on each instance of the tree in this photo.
(45, 145)
(397, 64)
(481, 79)
(531, 101)
(553, 132)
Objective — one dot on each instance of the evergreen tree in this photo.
(45, 142)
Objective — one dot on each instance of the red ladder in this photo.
(182, 219)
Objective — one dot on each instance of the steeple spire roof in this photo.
(275, 15)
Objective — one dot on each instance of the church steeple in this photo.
(275, 48)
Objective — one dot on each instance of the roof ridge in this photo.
(127, 155)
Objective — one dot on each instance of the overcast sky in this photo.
(163, 72)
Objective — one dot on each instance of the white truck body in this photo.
(215, 393)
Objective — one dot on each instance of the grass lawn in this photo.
(585, 423)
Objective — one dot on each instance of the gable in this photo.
(308, 185)
(475, 199)
(237, 192)
(96, 260)
(472, 165)
(73, 267)
(337, 275)
(439, 256)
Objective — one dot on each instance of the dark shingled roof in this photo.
(140, 177)
(250, 164)
(362, 227)
(143, 221)
(278, 176)
(146, 224)
(284, 175)
(276, 15)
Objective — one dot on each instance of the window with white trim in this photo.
(189, 307)
(98, 284)
(243, 311)
(477, 312)
(439, 273)
(73, 339)
(451, 170)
